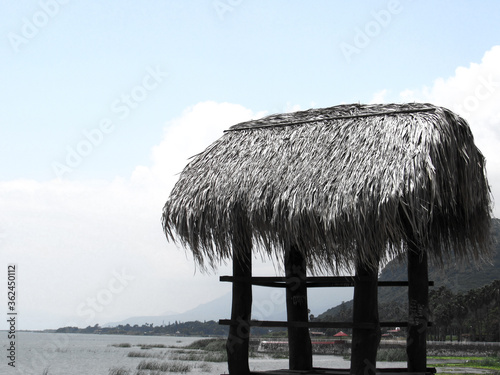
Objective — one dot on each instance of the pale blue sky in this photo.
(102, 102)
(261, 54)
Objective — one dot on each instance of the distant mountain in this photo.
(453, 277)
(268, 304)
(213, 310)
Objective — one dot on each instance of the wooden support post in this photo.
(299, 341)
(365, 340)
(237, 344)
(418, 306)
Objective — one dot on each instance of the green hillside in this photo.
(393, 300)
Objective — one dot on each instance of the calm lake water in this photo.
(79, 354)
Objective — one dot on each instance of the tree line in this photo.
(472, 315)
(193, 328)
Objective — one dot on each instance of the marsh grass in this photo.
(208, 350)
(149, 372)
(122, 345)
(204, 350)
(185, 356)
(151, 346)
(215, 357)
(392, 355)
(208, 344)
(146, 355)
(490, 363)
(278, 355)
(118, 371)
(141, 346)
(200, 356)
(163, 366)
(204, 367)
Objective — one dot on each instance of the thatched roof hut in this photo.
(347, 183)
(341, 187)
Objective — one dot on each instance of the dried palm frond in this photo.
(346, 183)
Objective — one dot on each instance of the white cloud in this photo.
(198, 127)
(379, 96)
(474, 93)
(69, 238)
(289, 107)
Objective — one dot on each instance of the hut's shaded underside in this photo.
(346, 183)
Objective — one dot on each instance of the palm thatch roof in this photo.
(346, 183)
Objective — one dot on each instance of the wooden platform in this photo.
(330, 371)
